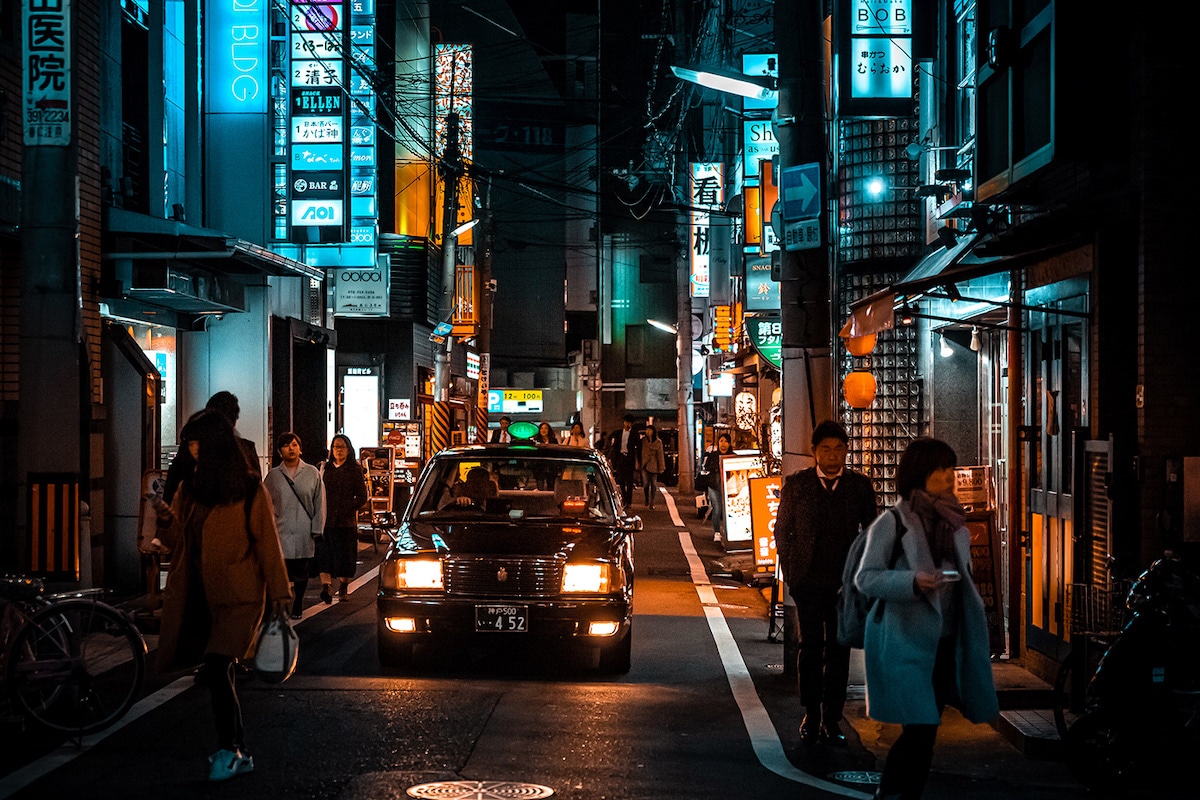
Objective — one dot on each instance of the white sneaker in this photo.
(224, 764)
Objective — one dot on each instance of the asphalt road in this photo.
(703, 713)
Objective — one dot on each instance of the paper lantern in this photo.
(861, 345)
(859, 389)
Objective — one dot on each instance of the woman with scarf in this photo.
(928, 646)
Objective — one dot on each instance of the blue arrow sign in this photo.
(800, 191)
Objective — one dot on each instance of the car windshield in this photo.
(523, 487)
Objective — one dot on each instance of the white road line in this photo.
(763, 736)
(16, 781)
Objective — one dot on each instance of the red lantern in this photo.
(859, 389)
(861, 345)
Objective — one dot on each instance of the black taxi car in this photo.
(515, 542)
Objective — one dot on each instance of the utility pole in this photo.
(801, 129)
(450, 172)
(55, 399)
(484, 338)
(805, 316)
(441, 365)
(685, 432)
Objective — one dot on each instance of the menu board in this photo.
(985, 549)
(764, 507)
(735, 475)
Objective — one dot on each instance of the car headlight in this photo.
(587, 578)
(412, 573)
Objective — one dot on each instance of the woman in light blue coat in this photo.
(927, 646)
(298, 498)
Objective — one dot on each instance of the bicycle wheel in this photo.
(76, 666)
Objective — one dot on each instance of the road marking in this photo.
(19, 779)
(763, 736)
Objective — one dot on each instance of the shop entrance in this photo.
(1056, 419)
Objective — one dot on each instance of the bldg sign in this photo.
(874, 57)
(235, 36)
(734, 487)
(758, 144)
(766, 335)
(47, 78)
(514, 401)
(362, 292)
(707, 191)
(762, 291)
(765, 495)
(758, 65)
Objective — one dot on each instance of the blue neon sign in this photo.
(236, 32)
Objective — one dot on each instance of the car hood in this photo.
(509, 538)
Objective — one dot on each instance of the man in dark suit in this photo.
(501, 433)
(820, 512)
(624, 453)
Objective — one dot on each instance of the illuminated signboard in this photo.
(317, 157)
(760, 64)
(766, 334)
(762, 292)
(764, 508)
(758, 144)
(472, 365)
(707, 189)
(734, 489)
(318, 73)
(236, 56)
(874, 61)
(514, 401)
(316, 212)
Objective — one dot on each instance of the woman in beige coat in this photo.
(226, 565)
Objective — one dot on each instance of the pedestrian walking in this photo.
(298, 496)
(928, 646)
(624, 455)
(654, 461)
(225, 403)
(710, 475)
(577, 438)
(820, 512)
(227, 560)
(345, 493)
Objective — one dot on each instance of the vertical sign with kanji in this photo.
(764, 507)
(47, 79)
(707, 192)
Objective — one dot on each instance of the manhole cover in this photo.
(479, 790)
(852, 776)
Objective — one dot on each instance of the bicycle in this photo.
(71, 663)
(1097, 613)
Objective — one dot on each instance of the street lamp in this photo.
(756, 87)
(664, 326)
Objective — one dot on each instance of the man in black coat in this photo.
(501, 433)
(624, 454)
(820, 512)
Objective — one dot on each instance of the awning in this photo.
(972, 256)
(137, 237)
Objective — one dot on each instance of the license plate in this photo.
(502, 619)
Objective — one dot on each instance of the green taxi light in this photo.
(522, 430)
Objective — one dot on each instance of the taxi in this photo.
(519, 541)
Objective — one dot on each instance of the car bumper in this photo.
(427, 618)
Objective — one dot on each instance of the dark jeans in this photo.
(227, 711)
(824, 664)
(907, 766)
(623, 468)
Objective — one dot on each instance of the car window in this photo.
(523, 487)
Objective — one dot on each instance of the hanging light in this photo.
(908, 314)
(976, 344)
(860, 345)
(858, 387)
(945, 350)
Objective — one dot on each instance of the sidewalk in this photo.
(1016, 756)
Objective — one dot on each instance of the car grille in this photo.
(508, 577)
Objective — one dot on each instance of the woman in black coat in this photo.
(345, 493)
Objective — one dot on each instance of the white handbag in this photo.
(277, 651)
